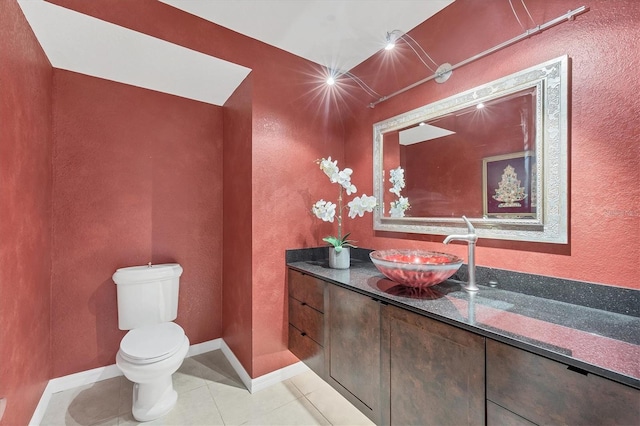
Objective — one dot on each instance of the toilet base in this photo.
(154, 399)
(153, 393)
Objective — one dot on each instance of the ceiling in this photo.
(338, 34)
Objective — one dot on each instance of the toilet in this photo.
(154, 347)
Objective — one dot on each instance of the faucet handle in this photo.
(470, 227)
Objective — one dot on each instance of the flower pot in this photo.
(340, 260)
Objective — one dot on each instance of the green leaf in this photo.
(346, 242)
(333, 241)
(338, 244)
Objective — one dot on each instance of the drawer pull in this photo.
(578, 370)
(303, 303)
(303, 334)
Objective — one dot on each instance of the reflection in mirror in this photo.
(496, 154)
(440, 159)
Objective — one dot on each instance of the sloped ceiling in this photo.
(338, 34)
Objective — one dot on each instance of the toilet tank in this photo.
(147, 295)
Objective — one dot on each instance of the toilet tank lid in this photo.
(140, 274)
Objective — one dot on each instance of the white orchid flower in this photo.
(351, 189)
(369, 202)
(330, 168)
(344, 178)
(360, 205)
(397, 180)
(397, 176)
(399, 207)
(355, 208)
(396, 211)
(325, 210)
(328, 211)
(404, 203)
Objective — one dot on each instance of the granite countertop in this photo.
(598, 341)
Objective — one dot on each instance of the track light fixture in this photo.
(333, 77)
(443, 71)
(394, 36)
(391, 41)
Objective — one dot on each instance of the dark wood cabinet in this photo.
(307, 289)
(544, 391)
(433, 373)
(499, 416)
(354, 349)
(306, 320)
(402, 368)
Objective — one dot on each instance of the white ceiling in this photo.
(76, 42)
(338, 34)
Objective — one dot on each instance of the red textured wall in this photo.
(135, 181)
(236, 289)
(25, 216)
(292, 125)
(604, 129)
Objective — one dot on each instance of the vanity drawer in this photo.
(498, 416)
(549, 392)
(307, 289)
(307, 350)
(307, 320)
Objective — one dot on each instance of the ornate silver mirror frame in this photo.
(549, 80)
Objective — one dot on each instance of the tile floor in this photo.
(209, 393)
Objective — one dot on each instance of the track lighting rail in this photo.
(445, 69)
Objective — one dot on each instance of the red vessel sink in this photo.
(415, 268)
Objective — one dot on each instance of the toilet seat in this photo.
(152, 343)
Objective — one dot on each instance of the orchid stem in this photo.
(340, 215)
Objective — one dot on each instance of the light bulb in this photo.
(331, 81)
(391, 42)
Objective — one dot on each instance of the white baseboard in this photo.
(88, 377)
(38, 414)
(270, 379)
(237, 366)
(200, 348)
(266, 380)
(71, 381)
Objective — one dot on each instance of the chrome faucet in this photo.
(471, 239)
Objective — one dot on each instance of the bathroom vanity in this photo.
(447, 356)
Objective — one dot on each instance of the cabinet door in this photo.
(354, 348)
(433, 373)
(548, 392)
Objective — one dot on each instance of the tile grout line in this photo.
(319, 410)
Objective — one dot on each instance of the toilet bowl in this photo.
(155, 346)
(149, 356)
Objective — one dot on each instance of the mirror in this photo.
(496, 154)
